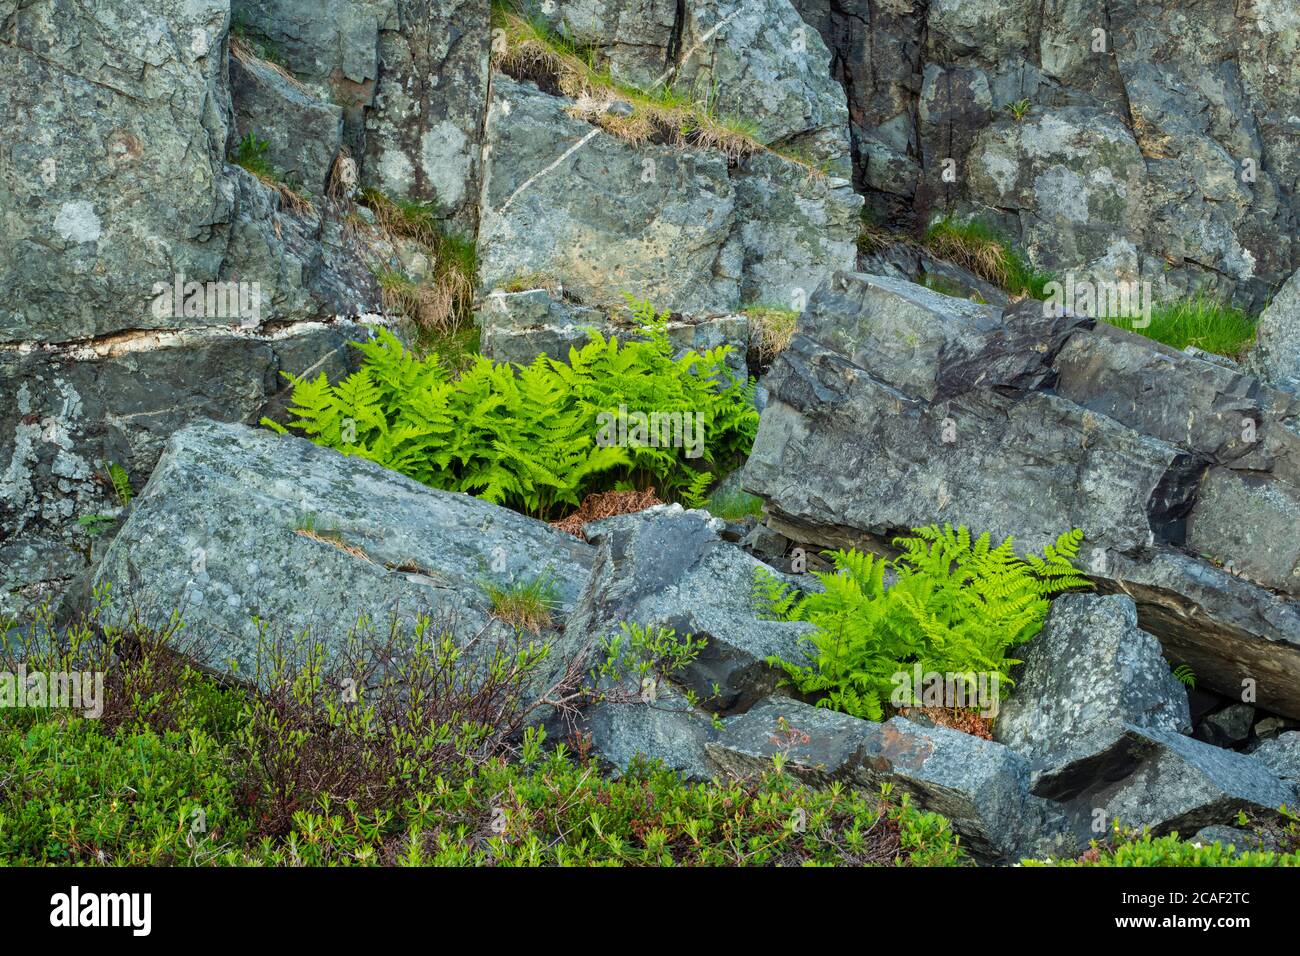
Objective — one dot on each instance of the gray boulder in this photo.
(1281, 754)
(1276, 357)
(1169, 782)
(1247, 523)
(238, 525)
(1227, 727)
(1088, 675)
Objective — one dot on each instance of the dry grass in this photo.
(444, 300)
(770, 329)
(334, 540)
(605, 504)
(246, 52)
(527, 51)
(978, 249)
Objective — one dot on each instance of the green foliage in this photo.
(1134, 848)
(251, 153)
(976, 246)
(121, 483)
(94, 525)
(956, 606)
(556, 811)
(1198, 321)
(1186, 675)
(303, 769)
(526, 437)
(1019, 109)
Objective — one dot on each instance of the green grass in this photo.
(1199, 321)
(526, 605)
(734, 506)
(1134, 848)
(976, 246)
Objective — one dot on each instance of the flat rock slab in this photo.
(239, 523)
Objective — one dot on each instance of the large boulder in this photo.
(240, 525)
(896, 407)
(1087, 676)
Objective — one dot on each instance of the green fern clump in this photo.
(526, 436)
(956, 606)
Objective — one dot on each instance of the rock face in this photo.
(411, 77)
(100, 355)
(755, 59)
(303, 134)
(1116, 140)
(665, 567)
(1173, 783)
(1088, 675)
(565, 200)
(239, 522)
(896, 407)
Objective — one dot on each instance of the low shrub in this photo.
(957, 605)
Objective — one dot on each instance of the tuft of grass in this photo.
(243, 44)
(771, 328)
(1200, 321)
(444, 302)
(250, 153)
(734, 506)
(527, 49)
(1019, 109)
(977, 247)
(526, 605)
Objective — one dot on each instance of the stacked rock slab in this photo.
(896, 407)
